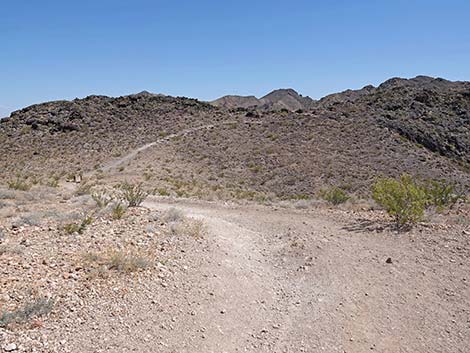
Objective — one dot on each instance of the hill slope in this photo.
(418, 126)
(434, 113)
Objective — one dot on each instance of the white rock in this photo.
(10, 347)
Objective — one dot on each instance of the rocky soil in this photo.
(254, 278)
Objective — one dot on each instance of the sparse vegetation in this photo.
(123, 261)
(173, 215)
(162, 192)
(10, 249)
(7, 195)
(118, 211)
(119, 260)
(335, 195)
(195, 228)
(31, 219)
(132, 194)
(403, 198)
(102, 199)
(80, 227)
(19, 183)
(83, 189)
(442, 194)
(53, 182)
(36, 308)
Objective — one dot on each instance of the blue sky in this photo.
(53, 50)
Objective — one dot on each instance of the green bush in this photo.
(334, 195)
(35, 308)
(78, 227)
(118, 211)
(441, 194)
(102, 199)
(83, 189)
(19, 184)
(133, 194)
(403, 198)
(53, 182)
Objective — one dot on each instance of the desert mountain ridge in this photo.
(278, 99)
(290, 99)
(418, 126)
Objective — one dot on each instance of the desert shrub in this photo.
(173, 215)
(102, 199)
(187, 227)
(10, 249)
(31, 219)
(147, 176)
(83, 189)
(162, 192)
(36, 308)
(133, 194)
(334, 195)
(403, 198)
(118, 211)
(120, 260)
(7, 195)
(80, 227)
(19, 184)
(71, 228)
(300, 197)
(441, 194)
(54, 182)
(127, 261)
(302, 204)
(195, 228)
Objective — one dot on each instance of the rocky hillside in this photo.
(418, 126)
(233, 101)
(81, 134)
(434, 113)
(280, 99)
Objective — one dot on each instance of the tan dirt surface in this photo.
(269, 279)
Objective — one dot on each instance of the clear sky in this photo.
(53, 50)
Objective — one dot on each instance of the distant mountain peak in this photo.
(283, 98)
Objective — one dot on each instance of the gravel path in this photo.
(283, 281)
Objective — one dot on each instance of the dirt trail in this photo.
(283, 281)
(132, 154)
(280, 280)
(116, 163)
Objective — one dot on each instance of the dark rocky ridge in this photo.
(418, 126)
(434, 113)
(279, 99)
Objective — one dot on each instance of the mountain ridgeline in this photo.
(276, 100)
(432, 112)
(282, 144)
